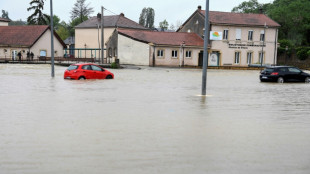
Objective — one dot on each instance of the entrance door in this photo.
(14, 54)
(200, 59)
(214, 59)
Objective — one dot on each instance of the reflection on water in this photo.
(151, 121)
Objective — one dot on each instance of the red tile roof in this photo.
(23, 36)
(163, 38)
(227, 18)
(119, 21)
(4, 20)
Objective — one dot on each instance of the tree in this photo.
(251, 6)
(38, 17)
(294, 18)
(80, 10)
(56, 22)
(18, 22)
(5, 14)
(163, 25)
(147, 17)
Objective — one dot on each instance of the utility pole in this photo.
(102, 36)
(52, 41)
(205, 51)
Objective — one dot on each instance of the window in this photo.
(238, 34)
(261, 57)
(250, 35)
(249, 58)
(262, 36)
(294, 70)
(115, 52)
(96, 68)
(160, 53)
(174, 54)
(42, 53)
(189, 30)
(237, 58)
(86, 67)
(188, 54)
(225, 34)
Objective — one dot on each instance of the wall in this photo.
(195, 25)
(244, 46)
(44, 43)
(167, 59)
(4, 23)
(89, 36)
(132, 52)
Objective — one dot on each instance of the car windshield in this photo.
(72, 67)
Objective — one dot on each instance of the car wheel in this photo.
(307, 79)
(82, 78)
(280, 80)
(109, 77)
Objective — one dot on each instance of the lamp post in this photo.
(262, 54)
(205, 51)
(286, 55)
(52, 41)
(182, 49)
(85, 49)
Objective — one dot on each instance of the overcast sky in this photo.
(171, 10)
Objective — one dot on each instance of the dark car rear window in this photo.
(72, 67)
(269, 70)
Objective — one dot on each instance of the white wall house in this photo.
(153, 48)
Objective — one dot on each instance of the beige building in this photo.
(34, 39)
(237, 39)
(151, 48)
(88, 34)
(4, 22)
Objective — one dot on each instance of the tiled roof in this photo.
(24, 36)
(227, 18)
(111, 21)
(4, 20)
(163, 38)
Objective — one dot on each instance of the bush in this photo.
(302, 53)
(283, 44)
(114, 65)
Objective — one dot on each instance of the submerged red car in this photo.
(82, 71)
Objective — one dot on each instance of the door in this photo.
(14, 54)
(294, 74)
(200, 59)
(214, 59)
(87, 72)
(98, 72)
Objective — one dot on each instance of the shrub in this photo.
(114, 65)
(302, 53)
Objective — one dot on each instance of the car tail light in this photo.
(274, 74)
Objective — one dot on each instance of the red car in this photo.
(84, 71)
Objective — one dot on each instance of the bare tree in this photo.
(81, 10)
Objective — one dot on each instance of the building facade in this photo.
(28, 39)
(88, 34)
(4, 22)
(151, 48)
(236, 39)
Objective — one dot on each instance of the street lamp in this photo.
(263, 38)
(85, 49)
(205, 51)
(52, 41)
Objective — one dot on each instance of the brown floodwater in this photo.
(150, 121)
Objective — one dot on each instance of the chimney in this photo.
(260, 11)
(122, 14)
(199, 7)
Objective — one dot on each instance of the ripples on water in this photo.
(151, 121)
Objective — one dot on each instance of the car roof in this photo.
(280, 67)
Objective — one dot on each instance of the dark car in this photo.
(84, 71)
(283, 74)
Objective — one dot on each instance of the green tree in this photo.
(164, 25)
(38, 17)
(147, 17)
(5, 14)
(294, 18)
(18, 22)
(56, 22)
(251, 6)
(81, 10)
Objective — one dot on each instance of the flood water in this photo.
(151, 121)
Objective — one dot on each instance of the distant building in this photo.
(23, 39)
(88, 33)
(4, 22)
(236, 39)
(152, 48)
